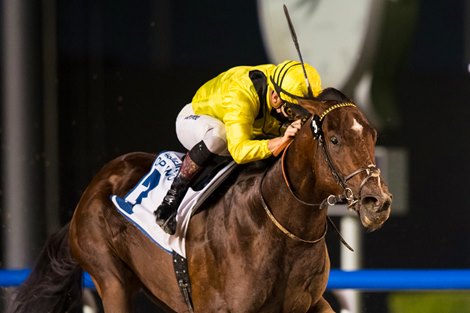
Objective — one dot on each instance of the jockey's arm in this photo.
(238, 121)
(244, 149)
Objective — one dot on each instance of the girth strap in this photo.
(180, 266)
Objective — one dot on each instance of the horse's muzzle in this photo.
(374, 209)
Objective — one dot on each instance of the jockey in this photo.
(242, 113)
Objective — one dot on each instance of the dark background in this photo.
(117, 95)
(122, 82)
(124, 70)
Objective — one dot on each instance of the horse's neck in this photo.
(306, 221)
(299, 171)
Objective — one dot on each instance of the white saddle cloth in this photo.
(140, 203)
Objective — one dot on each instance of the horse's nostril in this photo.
(369, 200)
(374, 204)
(386, 205)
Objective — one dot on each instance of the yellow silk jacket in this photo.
(233, 98)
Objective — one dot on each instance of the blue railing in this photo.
(12, 278)
(373, 280)
(393, 279)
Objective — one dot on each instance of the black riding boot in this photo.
(193, 163)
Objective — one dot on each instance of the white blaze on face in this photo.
(357, 127)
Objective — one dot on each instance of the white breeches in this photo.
(192, 128)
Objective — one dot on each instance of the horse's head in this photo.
(345, 161)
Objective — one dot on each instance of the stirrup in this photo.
(170, 197)
(166, 208)
(169, 226)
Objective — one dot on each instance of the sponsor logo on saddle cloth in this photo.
(140, 203)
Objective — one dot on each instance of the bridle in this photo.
(347, 196)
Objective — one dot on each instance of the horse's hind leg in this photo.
(115, 283)
(116, 291)
(91, 245)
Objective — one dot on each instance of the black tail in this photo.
(55, 283)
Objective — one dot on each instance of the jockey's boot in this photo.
(193, 163)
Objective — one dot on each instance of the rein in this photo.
(279, 225)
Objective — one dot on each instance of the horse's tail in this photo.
(55, 283)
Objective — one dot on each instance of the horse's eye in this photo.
(334, 140)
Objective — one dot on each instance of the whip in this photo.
(297, 47)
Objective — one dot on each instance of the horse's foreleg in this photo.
(322, 306)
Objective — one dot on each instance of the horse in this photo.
(258, 245)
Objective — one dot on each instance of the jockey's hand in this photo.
(276, 145)
(292, 130)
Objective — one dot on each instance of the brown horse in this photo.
(257, 246)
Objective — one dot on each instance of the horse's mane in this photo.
(328, 97)
(332, 94)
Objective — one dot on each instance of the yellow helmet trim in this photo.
(289, 82)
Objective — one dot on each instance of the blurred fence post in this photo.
(22, 188)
